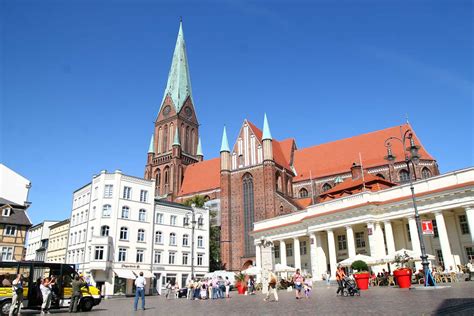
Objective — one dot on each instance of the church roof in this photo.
(178, 86)
(335, 157)
(201, 176)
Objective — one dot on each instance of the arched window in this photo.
(278, 185)
(185, 240)
(158, 237)
(326, 187)
(404, 176)
(141, 235)
(142, 215)
(193, 142)
(166, 175)
(200, 242)
(106, 210)
(158, 177)
(123, 233)
(380, 175)
(172, 239)
(165, 138)
(247, 188)
(187, 141)
(125, 212)
(171, 140)
(160, 136)
(288, 187)
(303, 193)
(104, 231)
(425, 173)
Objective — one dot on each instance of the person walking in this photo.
(340, 274)
(298, 281)
(140, 283)
(17, 295)
(168, 289)
(227, 287)
(272, 283)
(76, 285)
(46, 294)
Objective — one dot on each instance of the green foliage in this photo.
(360, 266)
(240, 277)
(402, 259)
(197, 199)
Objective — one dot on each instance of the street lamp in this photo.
(412, 156)
(199, 222)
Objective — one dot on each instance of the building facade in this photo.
(376, 224)
(13, 186)
(14, 225)
(38, 240)
(58, 241)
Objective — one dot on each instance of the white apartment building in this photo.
(37, 244)
(172, 243)
(13, 186)
(57, 245)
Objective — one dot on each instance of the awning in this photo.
(125, 274)
(146, 273)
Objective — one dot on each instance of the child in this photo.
(308, 287)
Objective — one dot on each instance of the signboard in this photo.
(427, 227)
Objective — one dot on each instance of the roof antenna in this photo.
(406, 116)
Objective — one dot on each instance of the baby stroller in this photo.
(350, 287)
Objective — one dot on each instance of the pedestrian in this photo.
(298, 281)
(46, 294)
(190, 286)
(76, 285)
(328, 278)
(168, 289)
(140, 283)
(308, 286)
(340, 274)
(227, 287)
(272, 284)
(17, 295)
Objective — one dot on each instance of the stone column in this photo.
(332, 252)
(350, 241)
(283, 252)
(380, 241)
(258, 260)
(470, 220)
(296, 252)
(314, 257)
(371, 238)
(444, 240)
(389, 237)
(415, 240)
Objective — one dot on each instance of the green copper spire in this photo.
(176, 138)
(151, 150)
(179, 81)
(199, 149)
(266, 129)
(225, 142)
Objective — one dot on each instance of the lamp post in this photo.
(411, 157)
(192, 215)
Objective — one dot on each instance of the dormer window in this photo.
(6, 211)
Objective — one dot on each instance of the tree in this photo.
(197, 199)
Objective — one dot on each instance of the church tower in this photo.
(175, 142)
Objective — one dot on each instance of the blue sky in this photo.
(81, 81)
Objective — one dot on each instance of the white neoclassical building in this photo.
(376, 224)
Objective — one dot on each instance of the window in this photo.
(173, 220)
(200, 242)
(464, 225)
(326, 187)
(125, 212)
(82, 218)
(172, 239)
(7, 254)
(171, 258)
(157, 257)
(108, 190)
(99, 253)
(143, 196)
(122, 255)
(303, 193)
(199, 259)
(470, 253)
(360, 239)
(9, 230)
(141, 235)
(439, 254)
(248, 200)
(185, 259)
(341, 241)
(408, 232)
(435, 229)
(159, 218)
(302, 247)
(142, 215)
(277, 252)
(404, 176)
(104, 231)
(185, 240)
(425, 173)
(106, 210)
(6, 211)
(200, 221)
(73, 220)
(289, 250)
(127, 193)
(123, 233)
(140, 255)
(158, 237)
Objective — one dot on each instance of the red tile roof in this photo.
(337, 157)
(304, 203)
(349, 184)
(201, 176)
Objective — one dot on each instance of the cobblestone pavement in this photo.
(455, 300)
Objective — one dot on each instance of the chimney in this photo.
(356, 171)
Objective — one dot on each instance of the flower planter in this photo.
(240, 288)
(362, 280)
(403, 277)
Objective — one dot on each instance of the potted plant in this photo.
(402, 274)
(362, 274)
(240, 283)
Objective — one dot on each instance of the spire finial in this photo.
(225, 142)
(266, 129)
(199, 148)
(176, 138)
(151, 148)
(406, 116)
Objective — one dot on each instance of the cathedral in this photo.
(260, 177)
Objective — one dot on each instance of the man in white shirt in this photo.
(140, 283)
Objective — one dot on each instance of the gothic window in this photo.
(288, 187)
(171, 138)
(165, 139)
(158, 177)
(380, 175)
(186, 140)
(166, 175)
(303, 193)
(247, 184)
(326, 187)
(425, 173)
(278, 185)
(404, 176)
(192, 151)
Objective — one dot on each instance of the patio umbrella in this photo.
(367, 259)
(251, 271)
(283, 268)
(414, 256)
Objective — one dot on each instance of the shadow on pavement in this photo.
(458, 306)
